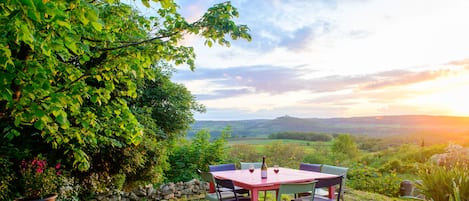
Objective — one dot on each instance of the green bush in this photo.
(6, 177)
(440, 182)
(189, 156)
(366, 178)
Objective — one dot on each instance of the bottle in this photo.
(263, 169)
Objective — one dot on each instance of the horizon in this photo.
(334, 59)
(371, 116)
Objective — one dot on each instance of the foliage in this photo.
(446, 176)
(284, 155)
(440, 183)
(189, 156)
(319, 156)
(454, 155)
(243, 153)
(89, 82)
(362, 177)
(6, 177)
(344, 144)
(310, 136)
(356, 195)
(371, 144)
(38, 180)
(69, 68)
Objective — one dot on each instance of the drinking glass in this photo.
(251, 168)
(276, 169)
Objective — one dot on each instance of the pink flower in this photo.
(57, 166)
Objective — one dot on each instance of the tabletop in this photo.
(253, 181)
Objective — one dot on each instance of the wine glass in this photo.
(251, 168)
(276, 169)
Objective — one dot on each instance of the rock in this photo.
(169, 196)
(140, 192)
(166, 190)
(150, 190)
(133, 197)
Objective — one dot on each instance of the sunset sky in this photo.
(334, 58)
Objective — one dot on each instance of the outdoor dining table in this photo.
(254, 183)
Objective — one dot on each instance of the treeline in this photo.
(309, 136)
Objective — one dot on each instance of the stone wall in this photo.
(191, 190)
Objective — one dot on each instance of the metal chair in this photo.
(310, 167)
(217, 195)
(228, 184)
(245, 165)
(330, 169)
(223, 167)
(295, 188)
(323, 183)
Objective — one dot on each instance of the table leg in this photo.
(211, 188)
(331, 192)
(254, 195)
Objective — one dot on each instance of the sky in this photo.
(334, 58)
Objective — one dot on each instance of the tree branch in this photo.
(130, 44)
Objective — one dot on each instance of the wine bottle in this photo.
(263, 169)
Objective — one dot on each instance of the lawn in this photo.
(259, 143)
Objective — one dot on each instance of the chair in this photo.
(330, 169)
(245, 165)
(323, 183)
(208, 177)
(295, 188)
(228, 184)
(223, 167)
(310, 167)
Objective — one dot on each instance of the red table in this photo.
(254, 183)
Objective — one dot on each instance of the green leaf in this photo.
(39, 124)
(96, 25)
(64, 24)
(62, 120)
(70, 44)
(12, 134)
(146, 3)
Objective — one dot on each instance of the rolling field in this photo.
(259, 143)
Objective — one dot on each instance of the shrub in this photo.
(189, 156)
(284, 155)
(6, 177)
(440, 182)
(371, 179)
(38, 179)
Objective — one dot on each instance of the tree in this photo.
(69, 70)
(197, 154)
(344, 144)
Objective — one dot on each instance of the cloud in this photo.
(402, 77)
(464, 62)
(274, 80)
(301, 38)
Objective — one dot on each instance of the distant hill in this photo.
(377, 126)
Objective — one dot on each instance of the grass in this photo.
(259, 143)
(350, 195)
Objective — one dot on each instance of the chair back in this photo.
(330, 169)
(245, 165)
(310, 167)
(208, 177)
(226, 183)
(332, 182)
(222, 167)
(294, 188)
